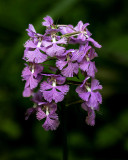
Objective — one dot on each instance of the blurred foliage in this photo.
(24, 140)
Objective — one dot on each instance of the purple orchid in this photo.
(90, 119)
(67, 66)
(55, 46)
(48, 112)
(48, 21)
(84, 34)
(32, 32)
(52, 91)
(32, 76)
(53, 49)
(90, 94)
(33, 52)
(85, 55)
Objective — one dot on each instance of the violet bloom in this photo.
(87, 65)
(90, 119)
(80, 54)
(32, 76)
(53, 49)
(48, 112)
(90, 94)
(32, 32)
(52, 91)
(84, 34)
(38, 102)
(68, 66)
(33, 52)
(48, 21)
(65, 29)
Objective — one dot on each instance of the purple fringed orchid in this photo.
(33, 52)
(48, 112)
(48, 21)
(48, 85)
(53, 49)
(32, 76)
(90, 119)
(90, 94)
(52, 90)
(68, 66)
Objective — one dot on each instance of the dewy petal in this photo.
(60, 64)
(96, 44)
(40, 114)
(48, 21)
(95, 85)
(36, 56)
(70, 69)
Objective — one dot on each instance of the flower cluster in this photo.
(46, 84)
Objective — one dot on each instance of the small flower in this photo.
(32, 76)
(68, 66)
(48, 112)
(33, 53)
(52, 91)
(90, 94)
(53, 49)
(48, 21)
(32, 32)
(90, 119)
(84, 33)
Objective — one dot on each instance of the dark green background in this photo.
(25, 140)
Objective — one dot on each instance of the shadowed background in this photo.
(25, 140)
